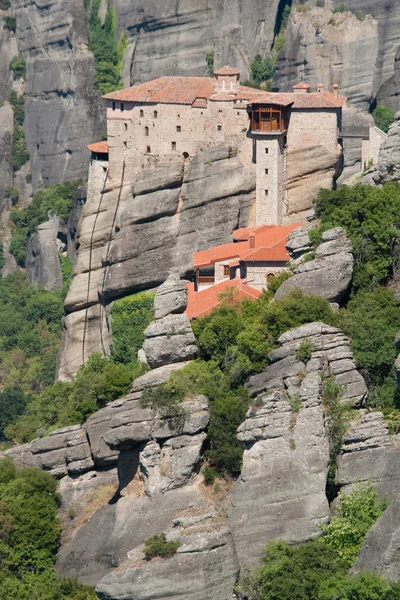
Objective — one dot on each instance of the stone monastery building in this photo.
(291, 139)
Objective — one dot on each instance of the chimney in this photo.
(252, 240)
(320, 88)
(335, 90)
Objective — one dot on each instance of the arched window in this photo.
(146, 131)
(141, 113)
(148, 150)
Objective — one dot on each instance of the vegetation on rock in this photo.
(18, 67)
(130, 317)
(383, 117)
(159, 546)
(29, 538)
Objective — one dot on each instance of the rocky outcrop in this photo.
(131, 241)
(62, 452)
(329, 274)
(42, 261)
(169, 340)
(380, 549)
(389, 155)
(370, 454)
(286, 454)
(63, 114)
(205, 564)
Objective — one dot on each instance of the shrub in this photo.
(209, 476)
(210, 62)
(130, 317)
(18, 67)
(20, 155)
(2, 259)
(295, 403)
(357, 512)
(10, 23)
(18, 105)
(11, 193)
(5, 4)
(339, 9)
(383, 117)
(157, 545)
(12, 404)
(304, 351)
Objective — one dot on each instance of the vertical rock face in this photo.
(62, 113)
(280, 493)
(171, 38)
(6, 132)
(43, 262)
(389, 155)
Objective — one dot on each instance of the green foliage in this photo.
(209, 475)
(11, 193)
(18, 105)
(383, 117)
(362, 586)
(29, 334)
(159, 546)
(288, 572)
(210, 62)
(295, 402)
(18, 67)
(5, 4)
(357, 512)
(107, 51)
(10, 23)
(12, 404)
(66, 272)
(304, 351)
(274, 283)
(338, 418)
(371, 218)
(130, 317)
(20, 155)
(56, 199)
(2, 259)
(262, 69)
(29, 538)
(339, 9)
(98, 382)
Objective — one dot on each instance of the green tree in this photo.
(18, 67)
(383, 117)
(130, 317)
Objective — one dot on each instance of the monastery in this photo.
(169, 116)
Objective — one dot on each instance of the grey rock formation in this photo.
(64, 451)
(214, 188)
(78, 488)
(370, 454)
(62, 112)
(380, 549)
(171, 297)
(169, 340)
(205, 566)
(42, 261)
(389, 155)
(6, 132)
(155, 377)
(329, 275)
(286, 453)
(171, 40)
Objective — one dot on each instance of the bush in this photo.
(304, 351)
(209, 476)
(12, 404)
(371, 218)
(11, 193)
(2, 259)
(18, 105)
(210, 62)
(357, 512)
(339, 9)
(5, 4)
(130, 317)
(383, 117)
(159, 546)
(10, 23)
(20, 155)
(18, 67)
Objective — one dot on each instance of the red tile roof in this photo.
(187, 90)
(301, 86)
(101, 147)
(201, 303)
(269, 242)
(226, 71)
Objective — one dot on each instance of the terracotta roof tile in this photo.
(222, 97)
(226, 71)
(301, 86)
(200, 103)
(202, 303)
(101, 147)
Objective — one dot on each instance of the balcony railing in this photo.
(205, 279)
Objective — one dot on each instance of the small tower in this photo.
(227, 80)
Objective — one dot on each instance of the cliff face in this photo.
(62, 112)
(356, 49)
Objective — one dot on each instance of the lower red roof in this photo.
(202, 303)
(101, 147)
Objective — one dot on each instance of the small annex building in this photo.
(246, 264)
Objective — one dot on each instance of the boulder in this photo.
(329, 274)
(169, 340)
(64, 451)
(155, 376)
(171, 297)
(42, 262)
(389, 154)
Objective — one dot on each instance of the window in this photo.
(148, 150)
(125, 144)
(266, 192)
(227, 271)
(178, 128)
(113, 105)
(219, 128)
(146, 131)
(122, 107)
(266, 150)
(173, 145)
(155, 114)
(266, 171)
(126, 126)
(141, 113)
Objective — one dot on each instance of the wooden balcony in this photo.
(269, 119)
(205, 279)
